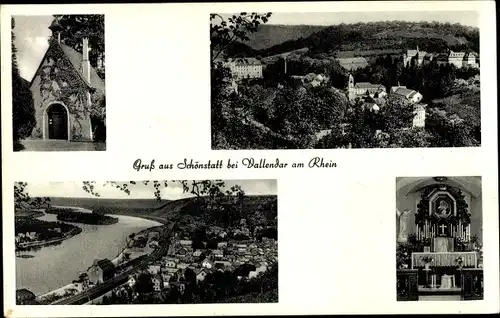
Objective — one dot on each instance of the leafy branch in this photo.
(224, 33)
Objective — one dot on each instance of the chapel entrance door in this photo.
(58, 122)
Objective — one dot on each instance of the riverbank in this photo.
(120, 260)
(27, 245)
(32, 233)
(74, 216)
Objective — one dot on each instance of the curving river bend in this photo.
(55, 266)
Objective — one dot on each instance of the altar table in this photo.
(444, 259)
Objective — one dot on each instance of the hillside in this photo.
(272, 34)
(373, 36)
(151, 207)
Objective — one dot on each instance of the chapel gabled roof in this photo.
(75, 58)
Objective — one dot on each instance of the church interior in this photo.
(439, 238)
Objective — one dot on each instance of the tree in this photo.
(144, 284)
(76, 27)
(23, 109)
(224, 33)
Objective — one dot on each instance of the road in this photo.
(99, 290)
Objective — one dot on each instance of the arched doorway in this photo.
(57, 117)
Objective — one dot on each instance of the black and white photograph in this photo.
(58, 83)
(374, 79)
(439, 238)
(146, 242)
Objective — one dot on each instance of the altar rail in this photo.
(407, 285)
(444, 259)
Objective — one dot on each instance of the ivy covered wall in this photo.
(58, 82)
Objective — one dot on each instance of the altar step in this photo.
(438, 294)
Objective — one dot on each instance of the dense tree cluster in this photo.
(217, 287)
(429, 36)
(77, 26)
(23, 110)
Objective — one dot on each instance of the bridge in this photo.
(101, 289)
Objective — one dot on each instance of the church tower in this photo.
(350, 88)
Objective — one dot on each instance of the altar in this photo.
(444, 259)
(437, 255)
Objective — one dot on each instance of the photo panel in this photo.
(381, 79)
(58, 82)
(146, 242)
(439, 254)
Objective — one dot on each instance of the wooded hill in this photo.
(384, 35)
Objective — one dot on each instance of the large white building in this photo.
(248, 67)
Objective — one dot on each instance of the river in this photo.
(55, 266)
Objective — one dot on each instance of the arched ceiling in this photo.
(471, 185)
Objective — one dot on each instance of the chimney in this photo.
(56, 29)
(85, 61)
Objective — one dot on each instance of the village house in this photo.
(132, 281)
(154, 269)
(197, 253)
(221, 245)
(186, 243)
(408, 94)
(65, 89)
(166, 279)
(416, 55)
(172, 263)
(157, 283)
(101, 270)
(182, 266)
(248, 67)
(456, 58)
(471, 60)
(352, 63)
(362, 89)
(201, 274)
(207, 264)
(419, 119)
(217, 254)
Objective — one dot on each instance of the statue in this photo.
(403, 225)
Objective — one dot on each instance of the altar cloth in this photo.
(444, 259)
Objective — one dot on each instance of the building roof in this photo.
(403, 91)
(75, 58)
(352, 63)
(106, 265)
(245, 61)
(368, 85)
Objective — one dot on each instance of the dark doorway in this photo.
(58, 122)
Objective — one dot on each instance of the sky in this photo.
(173, 191)
(32, 34)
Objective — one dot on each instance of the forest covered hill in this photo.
(384, 35)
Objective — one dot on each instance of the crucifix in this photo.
(442, 227)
